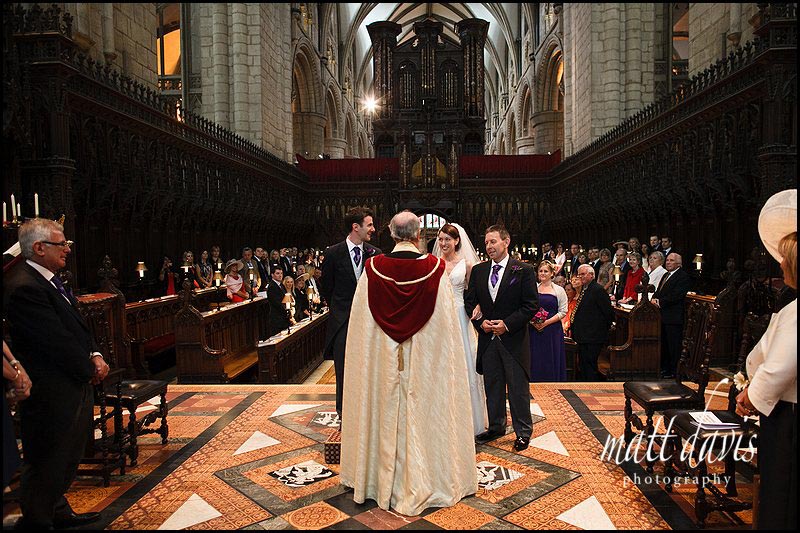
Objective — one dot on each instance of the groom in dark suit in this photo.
(505, 289)
(343, 265)
(54, 343)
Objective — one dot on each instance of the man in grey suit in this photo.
(506, 291)
(343, 265)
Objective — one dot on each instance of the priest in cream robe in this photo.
(407, 439)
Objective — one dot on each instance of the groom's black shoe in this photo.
(486, 436)
(521, 443)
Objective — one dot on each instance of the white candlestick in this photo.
(13, 208)
(141, 273)
(36, 204)
(4, 212)
(19, 210)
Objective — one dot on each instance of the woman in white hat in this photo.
(236, 285)
(772, 367)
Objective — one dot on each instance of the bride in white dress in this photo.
(456, 249)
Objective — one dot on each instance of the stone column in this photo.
(334, 147)
(109, 50)
(239, 56)
(526, 145)
(548, 130)
(309, 132)
(219, 58)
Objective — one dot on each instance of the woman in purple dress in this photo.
(548, 361)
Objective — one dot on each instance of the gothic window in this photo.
(173, 51)
(449, 85)
(408, 74)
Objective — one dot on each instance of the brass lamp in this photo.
(141, 269)
(568, 268)
(186, 266)
(217, 284)
(287, 303)
(617, 272)
(310, 296)
(252, 279)
(698, 263)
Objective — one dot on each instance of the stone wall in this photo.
(710, 24)
(276, 81)
(131, 47)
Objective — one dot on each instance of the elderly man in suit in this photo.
(506, 291)
(54, 343)
(669, 297)
(591, 321)
(343, 265)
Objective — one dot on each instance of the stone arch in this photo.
(335, 142)
(547, 122)
(500, 143)
(511, 138)
(524, 112)
(351, 148)
(307, 102)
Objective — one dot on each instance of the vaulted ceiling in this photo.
(508, 23)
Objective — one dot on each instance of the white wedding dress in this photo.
(469, 338)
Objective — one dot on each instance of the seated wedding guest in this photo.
(666, 246)
(278, 319)
(645, 252)
(216, 260)
(168, 277)
(274, 261)
(772, 371)
(189, 273)
(655, 243)
(205, 270)
(657, 270)
(250, 269)
(633, 279)
(620, 260)
(561, 256)
(288, 290)
(237, 286)
(634, 245)
(604, 277)
(301, 298)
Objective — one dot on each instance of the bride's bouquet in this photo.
(540, 316)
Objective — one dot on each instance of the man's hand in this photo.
(499, 327)
(654, 301)
(487, 326)
(101, 369)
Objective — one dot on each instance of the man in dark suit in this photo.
(262, 262)
(278, 319)
(669, 297)
(574, 249)
(666, 246)
(53, 341)
(655, 244)
(286, 263)
(594, 260)
(505, 289)
(591, 321)
(343, 265)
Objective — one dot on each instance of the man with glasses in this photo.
(53, 341)
(591, 321)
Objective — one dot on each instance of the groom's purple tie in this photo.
(495, 278)
(357, 255)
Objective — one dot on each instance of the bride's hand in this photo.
(476, 314)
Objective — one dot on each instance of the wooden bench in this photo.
(150, 327)
(218, 346)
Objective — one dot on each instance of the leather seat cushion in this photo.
(656, 392)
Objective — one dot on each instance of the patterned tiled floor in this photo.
(250, 457)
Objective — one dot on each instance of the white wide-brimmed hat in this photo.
(778, 219)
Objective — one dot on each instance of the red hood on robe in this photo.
(403, 309)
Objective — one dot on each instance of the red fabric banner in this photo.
(402, 310)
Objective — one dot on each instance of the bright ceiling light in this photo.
(370, 104)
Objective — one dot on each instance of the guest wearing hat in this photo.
(238, 289)
(772, 370)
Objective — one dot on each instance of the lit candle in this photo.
(4, 212)
(13, 207)
(141, 273)
(219, 265)
(36, 204)
(19, 210)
